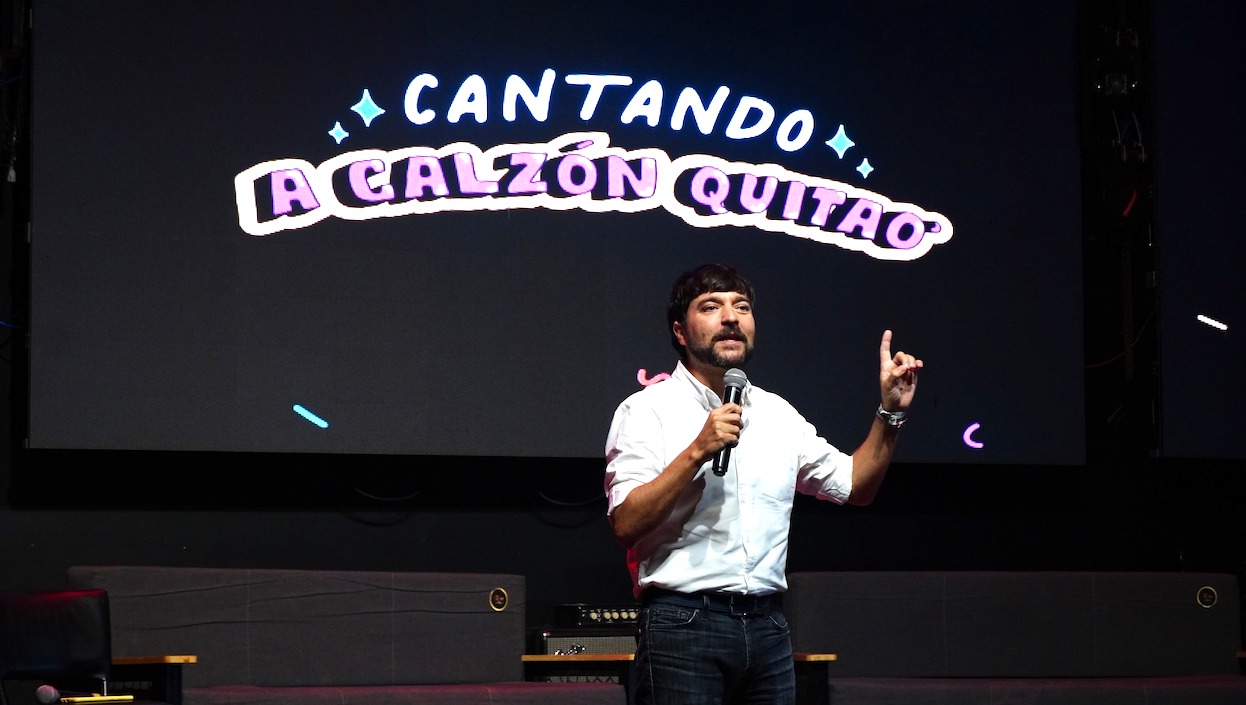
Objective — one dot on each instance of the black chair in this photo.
(54, 644)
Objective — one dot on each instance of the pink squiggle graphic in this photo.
(645, 380)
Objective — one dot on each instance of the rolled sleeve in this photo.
(632, 453)
(825, 471)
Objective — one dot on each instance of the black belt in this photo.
(732, 603)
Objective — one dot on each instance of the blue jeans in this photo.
(692, 650)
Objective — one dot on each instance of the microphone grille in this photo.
(46, 694)
(735, 377)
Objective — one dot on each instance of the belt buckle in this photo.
(745, 604)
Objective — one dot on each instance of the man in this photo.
(708, 553)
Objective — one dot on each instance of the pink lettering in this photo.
(424, 172)
(290, 186)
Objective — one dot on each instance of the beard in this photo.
(709, 355)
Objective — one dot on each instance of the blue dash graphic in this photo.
(301, 411)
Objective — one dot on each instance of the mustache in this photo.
(731, 335)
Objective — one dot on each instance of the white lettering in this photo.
(705, 116)
(538, 103)
(752, 117)
(800, 118)
(737, 130)
(646, 103)
(411, 103)
(596, 85)
(472, 98)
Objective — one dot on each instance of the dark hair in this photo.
(693, 283)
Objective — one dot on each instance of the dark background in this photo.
(1162, 486)
(158, 323)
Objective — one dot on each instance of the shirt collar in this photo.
(704, 395)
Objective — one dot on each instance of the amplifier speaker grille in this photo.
(586, 641)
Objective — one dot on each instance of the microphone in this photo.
(48, 694)
(733, 386)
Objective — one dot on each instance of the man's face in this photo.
(718, 330)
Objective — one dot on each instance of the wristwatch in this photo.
(895, 419)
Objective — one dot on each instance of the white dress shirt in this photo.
(725, 533)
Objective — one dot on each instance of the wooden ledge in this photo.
(576, 658)
(799, 657)
(168, 658)
(804, 657)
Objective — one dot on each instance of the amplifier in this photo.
(587, 640)
(614, 640)
(583, 615)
